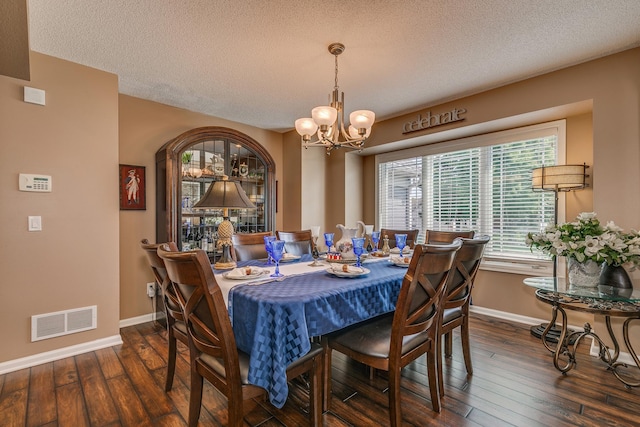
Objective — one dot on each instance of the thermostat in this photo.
(31, 182)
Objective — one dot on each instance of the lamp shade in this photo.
(225, 194)
(362, 119)
(559, 178)
(306, 126)
(324, 115)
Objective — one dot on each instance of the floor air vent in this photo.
(65, 322)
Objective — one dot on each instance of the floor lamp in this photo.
(559, 178)
(225, 194)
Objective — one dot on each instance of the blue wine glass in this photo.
(277, 249)
(358, 248)
(267, 246)
(401, 242)
(375, 238)
(328, 240)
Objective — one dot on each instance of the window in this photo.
(481, 183)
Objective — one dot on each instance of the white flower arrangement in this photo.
(586, 239)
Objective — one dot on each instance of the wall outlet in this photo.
(151, 290)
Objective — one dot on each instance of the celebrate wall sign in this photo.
(432, 120)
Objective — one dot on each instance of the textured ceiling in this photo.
(265, 62)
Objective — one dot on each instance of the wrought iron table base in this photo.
(567, 343)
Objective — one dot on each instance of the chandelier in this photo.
(328, 120)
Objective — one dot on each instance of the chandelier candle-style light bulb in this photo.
(328, 120)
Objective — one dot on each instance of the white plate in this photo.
(353, 271)
(399, 262)
(259, 272)
(289, 258)
(378, 255)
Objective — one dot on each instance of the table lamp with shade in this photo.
(557, 178)
(225, 194)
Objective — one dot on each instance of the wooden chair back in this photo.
(412, 236)
(212, 343)
(421, 298)
(171, 302)
(436, 236)
(392, 342)
(296, 242)
(248, 246)
(458, 299)
(207, 318)
(176, 327)
(466, 265)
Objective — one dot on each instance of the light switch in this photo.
(35, 223)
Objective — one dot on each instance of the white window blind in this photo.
(481, 183)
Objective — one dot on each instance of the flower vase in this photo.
(583, 274)
(615, 276)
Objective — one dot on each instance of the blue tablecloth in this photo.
(274, 322)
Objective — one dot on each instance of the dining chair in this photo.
(296, 242)
(436, 236)
(412, 236)
(248, 246)
(176, 328)
(213, 352)
(392, 341)
(456, 304)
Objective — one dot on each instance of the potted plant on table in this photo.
(589, 248)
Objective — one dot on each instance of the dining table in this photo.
(275, 319)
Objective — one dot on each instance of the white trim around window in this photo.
(420, 198)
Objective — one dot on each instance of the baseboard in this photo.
(507, 316)
(525, 320)
(61, 353)
(137, 320)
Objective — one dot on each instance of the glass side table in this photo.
(603, 300)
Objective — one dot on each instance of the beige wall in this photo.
(290, 187)
(312, 198)
(144, 127)
(73, 261)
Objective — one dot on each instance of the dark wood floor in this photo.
(514, 384)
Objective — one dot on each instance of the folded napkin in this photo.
(400, 259)
(287, 255)
(405, 250)
(346, 268)
(243, 272)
